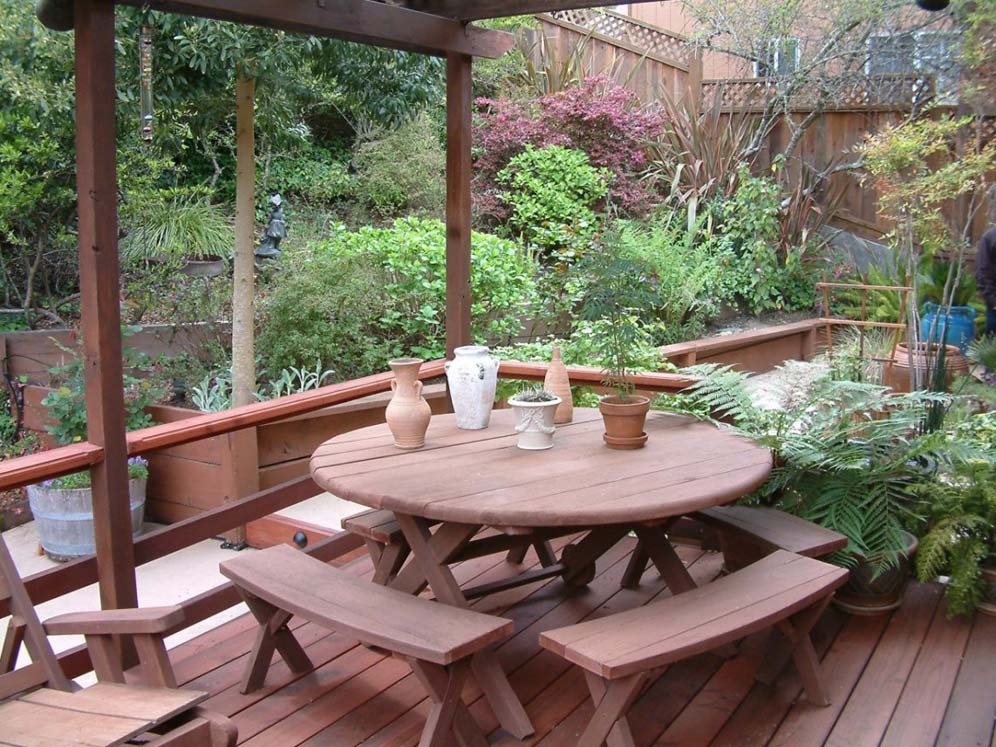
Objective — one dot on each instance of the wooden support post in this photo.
(240, 472)
(96, 178)
(458, 167)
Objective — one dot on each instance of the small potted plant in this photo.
(617, 289)
(63, 507)
(535, 409)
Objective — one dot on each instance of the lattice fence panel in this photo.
(623, 29)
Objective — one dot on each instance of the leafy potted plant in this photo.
(535, 409)
(191, 233)
(961, 542)
(850, 457)
(618, 288)
(63, 507)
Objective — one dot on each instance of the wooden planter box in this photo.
(187, 480)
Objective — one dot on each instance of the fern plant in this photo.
(962, 537)
(848, 457)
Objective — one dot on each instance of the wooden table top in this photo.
(481, 477)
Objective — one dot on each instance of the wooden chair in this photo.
(619, 652)
(747, 534)
(435, 639)
(41, 707)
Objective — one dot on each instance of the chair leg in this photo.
(545, 553)
(517, 554)
(449, 716)
(11, 644)
(223, 732)
(273, 634)
(157, 671)
(612, 701)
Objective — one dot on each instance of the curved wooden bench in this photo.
(437, 640)
(618, 652)
(748, 533)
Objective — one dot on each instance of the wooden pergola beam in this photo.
(476, 10)
(363, 21)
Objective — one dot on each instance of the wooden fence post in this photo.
(96, 179)
(458, 172)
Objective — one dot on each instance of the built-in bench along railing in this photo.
(77, 574)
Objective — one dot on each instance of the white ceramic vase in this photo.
(472, 376)
(535, 423)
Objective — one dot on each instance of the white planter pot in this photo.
(472, 376)
(64, 518)
(534, 423)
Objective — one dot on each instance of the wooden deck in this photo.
(912, 678)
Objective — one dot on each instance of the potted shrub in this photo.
(63, 507)
(191, 233)
(617, 289)
(850, 457)
(535, 410)
(960, 541)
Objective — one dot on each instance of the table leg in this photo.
(580, 558)
(657, 545)
(430, 553)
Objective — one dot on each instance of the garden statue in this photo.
(276, 231)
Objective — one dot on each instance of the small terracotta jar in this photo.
(558, 382)
(407, 413)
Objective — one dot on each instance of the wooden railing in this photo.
(77, 574)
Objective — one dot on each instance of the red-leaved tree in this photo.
(604, 120)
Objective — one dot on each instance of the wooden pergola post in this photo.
(458, 171)
(96, 177)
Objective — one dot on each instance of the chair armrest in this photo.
(140, 621)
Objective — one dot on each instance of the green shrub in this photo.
(748, 226)
(689, 274)
(552, 194)
(412, 255)
(401, 170)
(313, 177)
(325, 309)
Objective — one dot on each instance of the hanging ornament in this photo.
(145, 82)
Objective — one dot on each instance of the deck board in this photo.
(877, 670)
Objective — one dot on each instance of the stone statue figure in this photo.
(276, 231)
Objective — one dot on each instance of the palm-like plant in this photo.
(848, 457)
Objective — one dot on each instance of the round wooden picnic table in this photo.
(481, 477)
(464, 481)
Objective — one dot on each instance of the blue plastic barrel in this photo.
(957, 327)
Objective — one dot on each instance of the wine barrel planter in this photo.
(896, 373)
(64, 518)
(868, 592)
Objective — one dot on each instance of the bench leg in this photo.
(543, 548)
(636, 567)
(389, 563)
(449, 717)
(612, 701)
(798, 646)
(517, 554)
(273, 634)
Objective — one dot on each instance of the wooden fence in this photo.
(667, 62)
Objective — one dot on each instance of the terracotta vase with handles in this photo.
(407, 413)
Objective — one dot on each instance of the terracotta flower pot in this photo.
(624, 419)
(896, 372)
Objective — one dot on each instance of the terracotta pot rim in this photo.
(629, 400)
(404, 361)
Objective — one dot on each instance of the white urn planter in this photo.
(535, 422)
(472, 376)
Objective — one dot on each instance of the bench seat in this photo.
(771, 529)
(619, 651)
(437, 640)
